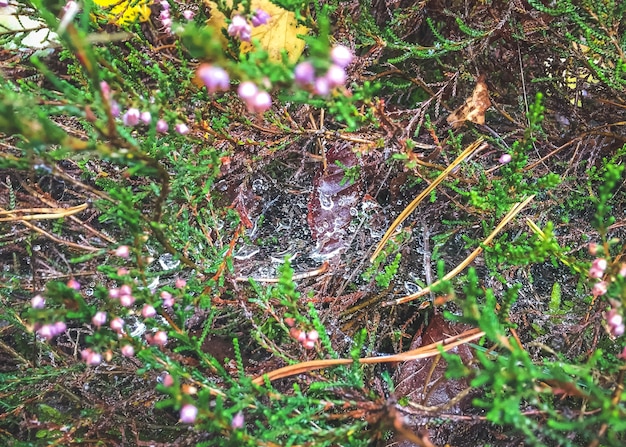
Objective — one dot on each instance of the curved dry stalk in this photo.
(423, 352)
(40, 213)
(474, 147)
(467, 261)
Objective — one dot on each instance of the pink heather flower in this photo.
(59, 327)
(297, 334)
(115, 109)
(598, 266)
(73, 284)
(622, 270)
(168, 299)
(159, 338)
(90, 357)
(167, 24)
(164, 14)
(126, 290)
(148, 311)
(105, 89)
(188, 14)
(38, 302)
(214, 78)
(128, 351)
(505, 158)
(593, 248)
(613, 318)
(188, 414)
(46, 331)
(341, 56)
(181, 128)
(99, 318)
(240, 28)
(322, 87)
(336, 76)
(308, 344)
(180, 283)
(145, 117)
(247, 90)
(289, 321)
(131, 117)
(238, 421)
(623, 354)
(4, 3)
(94, 359)
(260, 17)
(114, 293)
(123, 251)
(122, 271)
(304, 74)
(127, 300)
(161, 126)
(117, 324)
(261, 102)
(312, 335)
(599, 288)
(165, 5)
(168, 380)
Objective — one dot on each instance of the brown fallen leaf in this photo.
(474, 107)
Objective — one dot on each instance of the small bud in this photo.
(99, 318)
(188, 414)
(214, 78)
(247, 90)
(180, 283)
(505, 158)
(148, 311)
(46, 331)
(128, 351)
(168, 380)
(123, 251)
(261, 102)
(341, 56)
(59, 327)
(238, 421)
(38, 302)
(161, 126)
(127, 300)
(131, 117)
(304, 74)
(322, 87)
(117, 324)
(260, 17)
(145, 117)
(336, 76)
(240, 28)
(159, 338)
(181, 128)
(73, 284)
(312, 335)
(600, 288)
(290, 321)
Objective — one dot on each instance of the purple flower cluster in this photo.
(124, 296)
(335, 76)
(240, 27)
(216, 79)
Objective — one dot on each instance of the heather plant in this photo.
(193, 190)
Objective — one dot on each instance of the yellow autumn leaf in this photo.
(274, 37)
(125, 12)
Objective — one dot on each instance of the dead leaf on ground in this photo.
(279, 34)
(474, 107)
